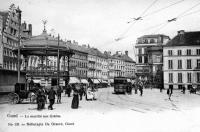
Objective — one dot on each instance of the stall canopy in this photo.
(103, 81)
(37, 81)
(84, 81)
(111, 80)
(74, 80)
(96, 81)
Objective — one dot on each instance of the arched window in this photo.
(152, 41)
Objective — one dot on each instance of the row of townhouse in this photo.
(169, 63)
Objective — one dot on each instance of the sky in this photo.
(100, 22)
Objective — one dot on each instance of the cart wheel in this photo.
(13, 98)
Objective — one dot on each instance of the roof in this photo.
(43, 40)
(127, 58)
(44, 44)
(77, 47)
(96, 52)
(185, 39)
(153, 36)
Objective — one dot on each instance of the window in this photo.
(170, 52)
(198, 77)
(146, 41)
(189, 79)
(189, 64)
(145, 59)
(179, 52)
(140, 59)
(170, 77)
(152, 41)
(179, 77)
(179, 64)
(198, 51)
(140, 51)
(188, 51)
(198, 63)
(158, 58)
(170, 64)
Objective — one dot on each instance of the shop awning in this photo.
(37, 81)
(74, 80)
(103, 81)
(111, 80)
(84, 81)
(95, 81)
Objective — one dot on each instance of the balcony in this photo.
(51, 73)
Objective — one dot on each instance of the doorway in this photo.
(54, 82)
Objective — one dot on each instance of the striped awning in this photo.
(84, 81)
(74, 80)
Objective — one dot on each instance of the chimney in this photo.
(181, 32)
(126, 52)
(24, 26)
(181, 36)
(30, 29)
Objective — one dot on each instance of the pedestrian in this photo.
(51, 97)
(169, 92)
(40, 99)
(59, 92)
(183, 89)
(136, 88)
(75, 100)
(161, 89)
(141, 90)
(81, 91)
(68, 90)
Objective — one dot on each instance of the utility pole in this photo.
(19, 40)
(58, 62)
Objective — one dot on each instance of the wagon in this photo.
(20, 93)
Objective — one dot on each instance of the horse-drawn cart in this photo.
(22, 93)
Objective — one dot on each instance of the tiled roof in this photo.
(185, 39)
(123, 57)
(77, 47)
(127, 58)
(96, 52)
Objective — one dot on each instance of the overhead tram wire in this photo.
(180, 16)
(163, 8)
(149, 14)
(122, 35)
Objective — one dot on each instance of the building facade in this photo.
(9, 39)
(182, 61)
(10, 22)
(149, 58)
(78, 63)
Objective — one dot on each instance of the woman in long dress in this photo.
(75, 100)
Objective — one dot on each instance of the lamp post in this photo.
(58, 62)
(19, 39)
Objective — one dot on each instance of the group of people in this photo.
(79, 90)
(42, 97)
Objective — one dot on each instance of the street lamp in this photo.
(19, 39)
